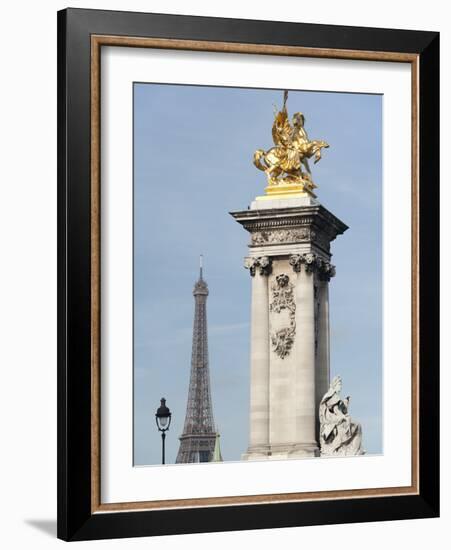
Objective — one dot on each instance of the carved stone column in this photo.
(283, 353)
(289, 260)
(259, 392)
(321, 272)
(304, 375)
(322, 343)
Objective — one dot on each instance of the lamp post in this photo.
(163, 420)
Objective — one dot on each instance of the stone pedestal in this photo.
(289, 263)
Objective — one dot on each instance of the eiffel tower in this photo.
(197, 443)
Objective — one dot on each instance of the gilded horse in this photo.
(284, 162)
(288, 160)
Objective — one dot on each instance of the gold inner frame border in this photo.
(97, 41)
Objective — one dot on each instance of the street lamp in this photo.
(163, 420)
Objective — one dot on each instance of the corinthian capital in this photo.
(262, 263)
(327, 271)
(309, 260)
(312, 264)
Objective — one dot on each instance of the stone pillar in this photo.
(304, 376)
(289, 260)
(259, 393)
(282, 329)
(322, 344)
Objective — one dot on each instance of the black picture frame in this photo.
(76, 519)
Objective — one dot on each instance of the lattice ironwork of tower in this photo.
(197, 442)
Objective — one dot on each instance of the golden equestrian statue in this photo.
(284, 163)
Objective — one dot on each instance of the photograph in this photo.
(257, 274)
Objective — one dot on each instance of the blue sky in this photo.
(193, 149)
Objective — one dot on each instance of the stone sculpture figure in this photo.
(339, 435)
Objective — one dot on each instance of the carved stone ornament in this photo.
(262, 263)
(313, 264)
(282, 340)
(278, 236)
(339, 434)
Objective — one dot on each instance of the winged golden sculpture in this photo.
(286, 165)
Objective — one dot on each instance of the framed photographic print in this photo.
(248, 274)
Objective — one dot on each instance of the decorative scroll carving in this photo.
(262, 263)
(282, 341)
(339, 435)
(283, 295)
(313, 264)
(283, 298)
(277, 236)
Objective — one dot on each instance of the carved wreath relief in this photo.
(282, 340)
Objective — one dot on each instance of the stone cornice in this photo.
(315, 217)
